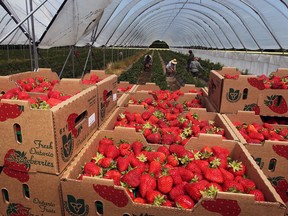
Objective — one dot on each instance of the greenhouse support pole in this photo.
(33, 39)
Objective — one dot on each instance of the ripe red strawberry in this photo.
(104, 143)
(139, 200)
(160, 156)
(122, 163)
(168, 139)
(53, 102)
(165, 183)
(107, 162)
(164, 149)
(137, 147)
(276, 103)
(226, 174)
(247, 184)
(125, 149)
(92, 169)
(117, 196)
(232, 186)
(112, 151)
(193, 167)
(281, 150)
(186, 175)
(258, 195)
(113, 174)
(155, 168)
(178, 150)
(173, 160)
(255, 82)
(154, 138)
(222, 206)
(132, 178)
(194, 189)
(184, 201)
(214, 175)
(257, 136)
(177, 191)
(219, 151)
(155, 197)
(146, 115)
(147, 182)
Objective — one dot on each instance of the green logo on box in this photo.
(233, 95)
(76, 207)
(67, 147)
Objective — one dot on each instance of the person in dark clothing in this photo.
(189, 59)
(147, 62)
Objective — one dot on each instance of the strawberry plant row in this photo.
(158, 76)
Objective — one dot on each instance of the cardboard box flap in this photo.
(229, 70)
(280, 72)
(70, 86)
(46, 73)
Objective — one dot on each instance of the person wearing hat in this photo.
(194, 67)
(171, 67)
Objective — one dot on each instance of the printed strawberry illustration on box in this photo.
(281, 185)
(276, 103)
(16, 166)
(9, 111)
(222, 206)
(281, 150)
(117, 196)
(17, 209)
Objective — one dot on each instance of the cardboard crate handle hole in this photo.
(81, 118)
(5, 195)
(18, 133)
(99, 208)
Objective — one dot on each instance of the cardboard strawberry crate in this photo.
(107, 92)
(36, 193)
(202, 114)
(124, 87)
(271, 155)
(93, 195)
(245, 92)
(48, 138)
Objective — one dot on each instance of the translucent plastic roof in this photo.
(220, 24)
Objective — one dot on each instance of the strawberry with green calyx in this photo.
(194, 189)
(227, 176)
(155, 197)
(107, 163)
(154, 155)
(117, 196)
(211, 190)
(124, 148)
(92, 169)
(222, 206)
(213, 174)
(173, 160)
(132, 177)
(232, 186)
(276, 103)
(155, 168)
(236, 168)
(184, 202)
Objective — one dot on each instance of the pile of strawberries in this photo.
(47, 97)
(167, 101)
(92, 80)
(269, 82)
(124, 89)
(258, 133)
(171, 175)
(168, 128)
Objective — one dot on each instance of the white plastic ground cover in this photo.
(219, 24)
(257, 64)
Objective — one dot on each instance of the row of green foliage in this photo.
(16, 59)
(157, 75)
(132, 74)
